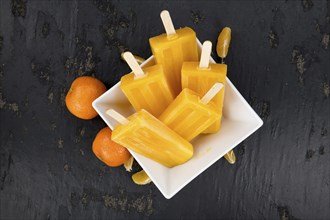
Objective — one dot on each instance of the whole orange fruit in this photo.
(83, 91)
(108, 151)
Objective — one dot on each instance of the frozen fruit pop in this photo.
(189, 115)
(146, 135)
(146, 88)
(201, 76)
(172, 49)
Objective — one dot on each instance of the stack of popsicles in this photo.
(176, 99)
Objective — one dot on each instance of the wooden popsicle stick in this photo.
(133, 64)
(206, 53)
(138, 59)
(211, 93)
(167, 22)
(118, 117)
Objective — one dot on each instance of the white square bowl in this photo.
(239, 121)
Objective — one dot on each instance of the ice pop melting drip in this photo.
(134, 65)
(211, 93)
(205, 56)
(167, 22)
(118, 117)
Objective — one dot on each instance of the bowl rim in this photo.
(257, 121)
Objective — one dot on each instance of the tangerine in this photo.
(109, 151)
(83, 91)
(141, 178)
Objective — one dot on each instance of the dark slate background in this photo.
(278, 60)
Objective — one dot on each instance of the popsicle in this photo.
(189, 115)
(146, 135)
(172, 49)
(201, 76)
(146, 88)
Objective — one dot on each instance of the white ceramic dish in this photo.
(239, 121)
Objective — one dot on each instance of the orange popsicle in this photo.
(146, 88)
(172, 49)
(146, 135)
(201, 76)
(189, 115)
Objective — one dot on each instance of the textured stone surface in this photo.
(278, 60)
